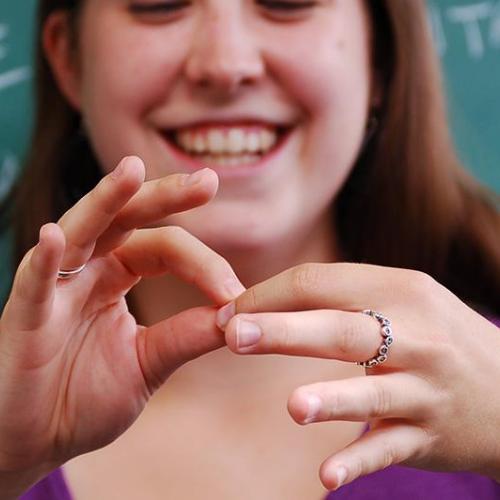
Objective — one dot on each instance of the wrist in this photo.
(492, 469)
(15, 483)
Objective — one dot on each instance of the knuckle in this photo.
(358, 467)
(380, 396)
(439, 403)
(420, 284)
(217, 264)
(285, 338)
(165, 191)
(336, 403)
(168, 249)
(303, 278)
(102, 197)
(350, 339)
(151, 379)
(77, 244)
(429, 441)
(172, 232)
(208, 269)
(121, 225)
(248, 301)
(441, 350)
(389, 454)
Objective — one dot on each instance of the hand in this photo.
(434, 404)
(75, 368)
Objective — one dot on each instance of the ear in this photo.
(61, 56)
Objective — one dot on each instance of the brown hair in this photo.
(407, 203)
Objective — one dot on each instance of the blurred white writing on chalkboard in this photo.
(12, 76)
(479, 23)
(8, 170)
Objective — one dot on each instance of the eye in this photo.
(158, 8)
(289, 7)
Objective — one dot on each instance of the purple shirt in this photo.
(394, 482)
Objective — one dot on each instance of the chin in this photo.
(233, 235)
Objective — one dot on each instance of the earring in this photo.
(371, 128)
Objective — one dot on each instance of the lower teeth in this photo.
(228, 161)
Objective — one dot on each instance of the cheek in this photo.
(334, 89)
(130, 62)
(127, 72)
(327, 63)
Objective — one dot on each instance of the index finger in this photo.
(154, 252)
(156, 200)
(88, 219)
(346, 286)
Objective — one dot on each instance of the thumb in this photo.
(167, 345)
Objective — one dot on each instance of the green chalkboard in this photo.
(467, 34)
(16, 40)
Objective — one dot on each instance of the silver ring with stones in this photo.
(66, 274)
(387, 340)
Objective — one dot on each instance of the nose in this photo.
(224, 56)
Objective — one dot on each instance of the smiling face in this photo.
(273, 95)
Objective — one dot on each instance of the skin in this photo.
(55, 341)
(248, 68)
(431, 388)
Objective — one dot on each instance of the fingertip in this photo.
(131, 167)
(137, 165)
(224, 315)
(332, 477)
(212, 179)
(226, 291)
(234, 287)
(209, 175)
(51, 235)
(334, 472)
(205, 180)
(297, 406)
(47, 259)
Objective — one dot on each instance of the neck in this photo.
(155, 299)
(258, 264)
(158, 298)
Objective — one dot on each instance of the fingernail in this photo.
(234, 287)
(224, 314)
(314, 404)
(341, 476)
(194, 178)
(247, 334)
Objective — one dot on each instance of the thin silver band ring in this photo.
(387, 340)
(66, 274)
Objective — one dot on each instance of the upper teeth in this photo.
(227, 140)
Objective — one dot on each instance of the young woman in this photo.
(337, 225)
